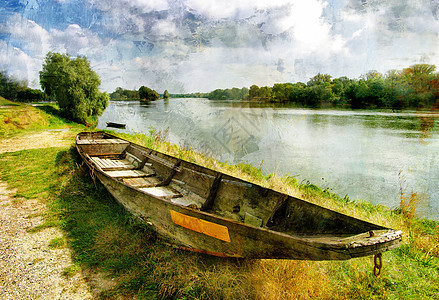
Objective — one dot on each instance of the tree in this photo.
(319, 79)
(166, 94)
(281, 91)
(122, 94)
(145, 93)
(74, 86)
(253, 92)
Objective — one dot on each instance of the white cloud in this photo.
(164, 28)
(19, 64)
(385, 35)
(34, 39)
(29, 43)
(75, 40)
(230, 9)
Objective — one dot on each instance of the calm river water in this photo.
(354, 153)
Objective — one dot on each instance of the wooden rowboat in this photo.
(115, 125)
(199, 209)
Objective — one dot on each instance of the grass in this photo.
(5, 102)
(58, 242)
(17, 118)
(105, 239)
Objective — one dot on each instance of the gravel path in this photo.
(45, 139)
(29, 267)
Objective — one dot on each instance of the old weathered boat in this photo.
(203, 210)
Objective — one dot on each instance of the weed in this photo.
(59, 242)
(71, 270)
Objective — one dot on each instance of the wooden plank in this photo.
(126, 174)
(161, 192)
(97, 162)
(105, 155)
(83, 142)
(101, 141)
(164, 162)
(112, 164)
(140, 182)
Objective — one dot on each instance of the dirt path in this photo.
(29, 267)
(44, 139)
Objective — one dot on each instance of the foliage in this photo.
(229, 94)
(145, 93)
(123, 94)
(191, 95)
(74, 85)
(166, 94)
(263, 93)
(30, 95)
(414, 87)
(16, 90)
(5, 102)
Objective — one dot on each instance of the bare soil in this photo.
(45, 139)
(29, 267)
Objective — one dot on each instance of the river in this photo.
(366, 155)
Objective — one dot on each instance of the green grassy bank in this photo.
(108, 243)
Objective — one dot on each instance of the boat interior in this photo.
(190, 185)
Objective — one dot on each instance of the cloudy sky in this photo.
(201, 45)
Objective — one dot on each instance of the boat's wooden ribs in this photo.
(171, 173)
(212, 192)
(278, 210)
(139, 152)
(145, 160)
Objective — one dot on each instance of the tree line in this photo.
(414, 87)
(229, 94)
(16, 90)
(75, 87)
(143, 93)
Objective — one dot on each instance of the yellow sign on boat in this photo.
(208, 228)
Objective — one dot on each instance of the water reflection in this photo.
(358, 153)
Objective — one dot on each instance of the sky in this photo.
(189, 46)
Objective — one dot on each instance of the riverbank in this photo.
(132, 262)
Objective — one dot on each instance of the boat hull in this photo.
(196, 230)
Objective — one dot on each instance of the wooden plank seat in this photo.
(145, 172)
(108, 164)
(139, 182)
(163, 192)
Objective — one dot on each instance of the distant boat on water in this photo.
(116, 125)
